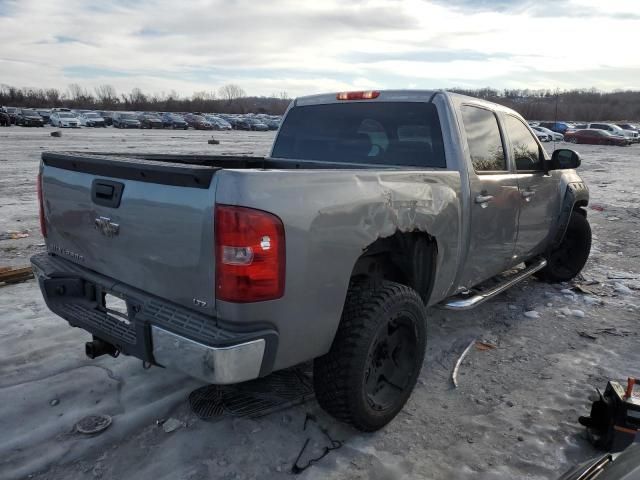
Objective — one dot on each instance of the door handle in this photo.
(483, 200)
(527, 194)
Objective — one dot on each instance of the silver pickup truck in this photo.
(371, 207)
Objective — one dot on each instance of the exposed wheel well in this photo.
(406, 258)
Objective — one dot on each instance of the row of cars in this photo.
(594, 133)
(66, 118)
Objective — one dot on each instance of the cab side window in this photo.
(524, 147)
(484, 140)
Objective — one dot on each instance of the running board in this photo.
(473, 298)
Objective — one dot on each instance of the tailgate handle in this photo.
(106, 193)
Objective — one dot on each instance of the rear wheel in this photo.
(376, 356)
(567, 259)
(572, 140)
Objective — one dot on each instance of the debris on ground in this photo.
(54, 402)
(213, 141)
(57, 133)
(14, 235)
(256, 398)
(588, 335)
(597, 208)
(621, 276)
(532, 314)
(172, 425)
(454, 375)
(484, 346)
(93, 424)
(622, 289)
(9, 275)
(612, 424)
(296, 468)
(578, 288)
(569, 312)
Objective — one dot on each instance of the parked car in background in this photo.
(554, 136)
(108, 117)
(217, 123)
(150, 120)
(64, 120)
(559, 127)
(258, 125)
(29, 118)
(91, 119)
(594, 136)
(242, 124)
(5, 120)
(611, 128)
(173, 120)
(125, 120)
(198, 122)
(12, 112)
(45, 113)
(543, 137)
(631, 128)
(272, 123)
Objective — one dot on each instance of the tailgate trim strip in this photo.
(130, 168)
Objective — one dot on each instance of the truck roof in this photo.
(402, 96)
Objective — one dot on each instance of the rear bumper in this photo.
(156, 331)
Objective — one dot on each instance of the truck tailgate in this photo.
(148, 224)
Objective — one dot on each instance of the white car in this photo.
(543, 137)
(91, 119)
(612, 129)
(553, 136)
(64, 120)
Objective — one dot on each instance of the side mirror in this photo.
(563, 158)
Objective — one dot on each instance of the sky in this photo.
(303, 47)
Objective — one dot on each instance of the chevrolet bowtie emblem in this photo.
(107, 227)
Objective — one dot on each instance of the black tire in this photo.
(568, 259)
(382, 329)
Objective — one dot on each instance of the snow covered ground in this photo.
(514, 414)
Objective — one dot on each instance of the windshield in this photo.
(177, 118)
(127, 116)
(65, 115)
(388, 133)
(91, 115)
(30, 113)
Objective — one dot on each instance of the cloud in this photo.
(305, 48)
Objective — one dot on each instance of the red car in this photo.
(595, 137)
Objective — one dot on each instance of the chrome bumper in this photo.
(219, 365)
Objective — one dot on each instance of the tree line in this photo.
(227, 99)
(580, 105)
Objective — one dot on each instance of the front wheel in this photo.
(376, 355)
(567, 259)
(572, 140)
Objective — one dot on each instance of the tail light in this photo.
(368, 95)
(250, 254)
(43, 223)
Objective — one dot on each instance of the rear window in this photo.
(385, 133)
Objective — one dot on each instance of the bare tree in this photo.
(231, 92)
(106, 95)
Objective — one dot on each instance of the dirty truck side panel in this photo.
(328, 224)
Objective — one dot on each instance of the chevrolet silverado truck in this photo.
(371, 207)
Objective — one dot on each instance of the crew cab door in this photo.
(539, 196)
(494, 198)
